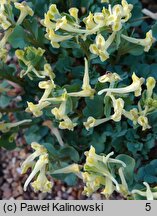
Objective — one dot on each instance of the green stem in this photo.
(85, 49)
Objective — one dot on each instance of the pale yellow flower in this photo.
(73, 168)
(133, 115)
(42, 183)
(143, 121)
(150, 83)
(69, 27)
(92, 122)
(55, 38)
(134, 87)
(4, 23)
(87, 91)
(36, 109)
(74, 13)
(5, 127)
(109, 188)
(29, 162)
(54, 12)
(89, 21)
(118, 105)
(49, 72)
(40, 164)
(67, 124)
(100, 47)
(146, 43)
(25, 11)
(60, 112)
(127, 8)
(48, 86)
(148, 193)
(109, 77)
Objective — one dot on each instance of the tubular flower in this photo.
(118, 105)
(67, 124)
(133, 115)
(89, 21)
(148, 193)
(49, 72)
(42, 183)
(56, 38)
(87, 91)
(101, 46)
(54, 21)
(73, 168)
(36, 109)
(109, 77)
(124, 190)
(54, 12)
(60, 112)
(119, 14)
(146, 43)
(143, 121)
(127, 8)
(92, 122)
(114, 18)
(48, 86)
(109, 188)
(25, 11)
(97, 173)
(150, 83)
(29, 162)
(66, 26)
(39, 168)
(5, 127)
(61, 98)
(4, 21)
(31, 57)
(74, 13)
(134, 87)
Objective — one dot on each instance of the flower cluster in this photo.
(39, 169)
(61, 27)
(47, 100)
(99, 174)
(7, 22)
(136, 115)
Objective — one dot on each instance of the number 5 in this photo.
(148, 207)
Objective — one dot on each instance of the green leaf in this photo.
(69, 44)
(71, 179)
(95, 107)
(129, 169)
(17, 38)
(154, 30)
(98, 142)
(134, 147)
(108, 106)
(69, 152)
(4, 101)
(148, 173)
